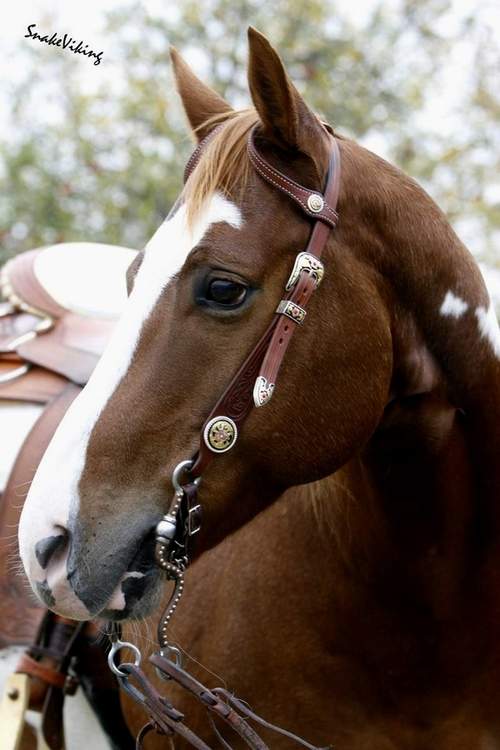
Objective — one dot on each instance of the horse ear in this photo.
(199, 101)
(286, 118)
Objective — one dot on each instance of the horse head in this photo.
(400, 302)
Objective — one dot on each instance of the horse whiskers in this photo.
(13, 538)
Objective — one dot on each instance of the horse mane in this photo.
(223, 163)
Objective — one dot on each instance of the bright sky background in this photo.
(85, 20)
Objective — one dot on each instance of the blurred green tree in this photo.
(106, 162)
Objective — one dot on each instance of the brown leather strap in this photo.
(195, 156)
(219, 702)
(47, 662)
(37, 386)
(269, 351)
(46, 673)
(237, 400)
(20, 285)
(313, 203)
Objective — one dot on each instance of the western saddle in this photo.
(56, 317)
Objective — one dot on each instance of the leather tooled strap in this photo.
(167, 720)
(254, 382)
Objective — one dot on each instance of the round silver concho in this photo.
(315, 203)
(220, 434)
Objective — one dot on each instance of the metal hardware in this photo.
(165, 529)
(315, 203)
(6, 309)
(262, 391)
(292, 311)
(194, 520)
(166, 652)
(220, 434)
(117, 646)
(21, 370)
(183, 466)
(306, 262)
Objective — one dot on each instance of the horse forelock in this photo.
(223, 164)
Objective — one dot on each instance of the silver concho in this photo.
(315, 203)
(220, 434)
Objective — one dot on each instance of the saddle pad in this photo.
(84, 278)
(72, 294)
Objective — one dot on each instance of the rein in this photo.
(253, 385)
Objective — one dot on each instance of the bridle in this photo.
(253, 385)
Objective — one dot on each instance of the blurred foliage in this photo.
(105, 161)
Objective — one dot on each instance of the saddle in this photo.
(56, 317)
(49, 346)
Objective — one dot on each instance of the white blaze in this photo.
(54, 488)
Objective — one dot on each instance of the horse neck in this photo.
(408, 534)
(433, 459)
(414, 519)
(417, 509)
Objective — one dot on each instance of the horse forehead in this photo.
(164, 256)
(169, 247)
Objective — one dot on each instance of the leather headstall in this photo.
(254, 382)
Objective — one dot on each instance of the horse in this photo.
(54, 324)
(346, 576)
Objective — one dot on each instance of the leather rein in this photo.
(253, 385)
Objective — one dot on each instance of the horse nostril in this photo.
(47, 548)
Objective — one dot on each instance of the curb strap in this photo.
(165, 719)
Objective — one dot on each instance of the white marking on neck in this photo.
(453, 306)
(54, 488)
(488, 327)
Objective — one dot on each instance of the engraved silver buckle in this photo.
(306, 262)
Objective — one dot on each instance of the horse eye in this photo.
(226, 292)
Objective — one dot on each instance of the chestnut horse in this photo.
(349, 580)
